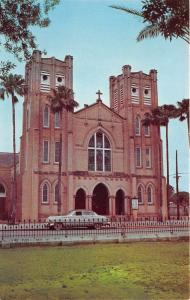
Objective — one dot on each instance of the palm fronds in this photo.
(128, 10)
(150, 31)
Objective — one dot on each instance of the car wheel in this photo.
(97, 226)
(58, 226)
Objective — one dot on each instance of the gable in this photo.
(98, 111)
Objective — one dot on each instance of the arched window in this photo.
(46, 116)
(149, 194)
(2, 190)
(80, 199)
(57, 119)
(45, 193)
(137, 126)
(99, 153)
(119, 203)
(140, 194)
(56, 193)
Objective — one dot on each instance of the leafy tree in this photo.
(182, 112)
(11, 86)
(182, 198)
(16, 20)
(168, 18)
(61, 99)
(160, 117)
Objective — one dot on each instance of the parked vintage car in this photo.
(76, 219)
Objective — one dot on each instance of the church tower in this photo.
(132, 94)
(39, 155)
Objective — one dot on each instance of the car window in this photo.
(89, 213)
(78, 213)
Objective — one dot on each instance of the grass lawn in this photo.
(149, 270)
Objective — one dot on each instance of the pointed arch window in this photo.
(46, 116)
(137, 126)
(2, 190)
(140, 194)
(149, 195)
(45, 193)
(99, 153)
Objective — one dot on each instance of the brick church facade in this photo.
(108, 157)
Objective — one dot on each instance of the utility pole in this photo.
(177, 187)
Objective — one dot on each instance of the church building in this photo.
(108, 157)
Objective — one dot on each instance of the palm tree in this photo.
(160, 117)
(182, 112)
(61, 99)
(161, 24)
(147, 31)
(10, 86)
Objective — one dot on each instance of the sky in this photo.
(102, 40)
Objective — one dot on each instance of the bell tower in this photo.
(132, 94)
(41, 130)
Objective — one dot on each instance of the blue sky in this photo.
(102, 40)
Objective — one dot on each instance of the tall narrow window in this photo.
(57, 119)
(45, 193)
(57, 151)
(148, 157)
(140, 194)
(99, 153)
(46, 151)
(149, 195)
(138, 157)
(147, 130)
(56, 193)
(137, 126)
(46, 116)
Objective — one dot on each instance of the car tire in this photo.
(58, 226)
(97, 226)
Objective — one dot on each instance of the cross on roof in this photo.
(99, 94)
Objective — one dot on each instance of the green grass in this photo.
(151, 270)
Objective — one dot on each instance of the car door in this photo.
(78, 218)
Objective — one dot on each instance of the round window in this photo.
(146, 91)
(59, 79)
(134, 90)
(45, 77)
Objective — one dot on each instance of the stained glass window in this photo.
(99, 153)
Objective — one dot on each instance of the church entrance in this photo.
(2, 202)
(100, 200)
(119, 203)
(80, 199)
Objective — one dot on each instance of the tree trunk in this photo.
(177, 187)
(14, 198)
(160, 167)
(188, 127)
(60, 168)
(167, 164)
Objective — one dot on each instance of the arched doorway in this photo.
(119, 203)
(100, 200)
(80, 199)
(2, 202)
